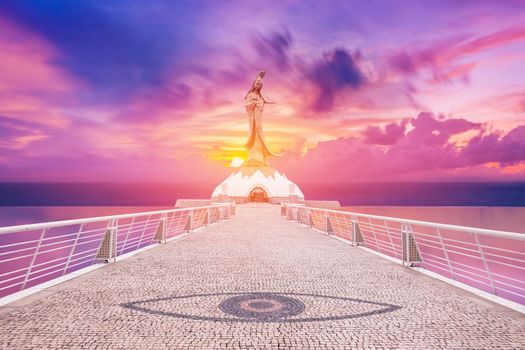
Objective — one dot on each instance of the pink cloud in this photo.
(442, 57)
(424, 153)
(391, 133)
(32, 87)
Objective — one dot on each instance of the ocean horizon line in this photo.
(348, 194)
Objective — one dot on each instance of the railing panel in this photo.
(149, 231)
(368, 234)
(214, 215)
(318, 220)
(461, 259)
(225, 212)
(506, 262)
(126, 228)
(394, 234)
(85, 246)
(16, 254)
(292, 213)
(137, 234)
(432, 250)
(342, 225)
(175, 223)
(199, 215)
(302, 215)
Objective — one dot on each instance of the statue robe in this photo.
(256, 145)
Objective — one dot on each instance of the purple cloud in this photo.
(275, 47)
(507, 150)
(389, 136)
(426, 152)
(336, 71)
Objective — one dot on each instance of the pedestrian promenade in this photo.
(257, 281)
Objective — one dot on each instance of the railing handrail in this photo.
(495, 233)
(51, 224)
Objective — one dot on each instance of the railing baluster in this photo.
(143, 232)
(485, 264)
(73, 248)
(127, 235)
(34, 258)
(374, 234)
(452, 273)
(389, 237)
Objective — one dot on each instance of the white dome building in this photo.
(255, 183)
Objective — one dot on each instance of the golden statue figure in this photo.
(256, 145)
(256, 180)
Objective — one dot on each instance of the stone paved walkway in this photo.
(319, 293)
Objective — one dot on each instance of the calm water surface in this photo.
(496, 218)
(10, 216)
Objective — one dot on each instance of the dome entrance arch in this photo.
(258, 195)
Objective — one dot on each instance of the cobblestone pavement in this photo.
(279, 286)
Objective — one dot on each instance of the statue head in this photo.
(257, 86)
(257, 83)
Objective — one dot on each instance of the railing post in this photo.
(404, 234)
(309, 213)
(189, 223)
(160, 235)
(207, 220)
(410, 251)
(113, 241)
(327, 225)
(108, 246)
(354, 231)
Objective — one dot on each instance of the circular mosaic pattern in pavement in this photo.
(262, 306)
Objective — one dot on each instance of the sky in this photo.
(147, 91)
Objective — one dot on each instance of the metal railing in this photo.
(488, 260)
(37, 253)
